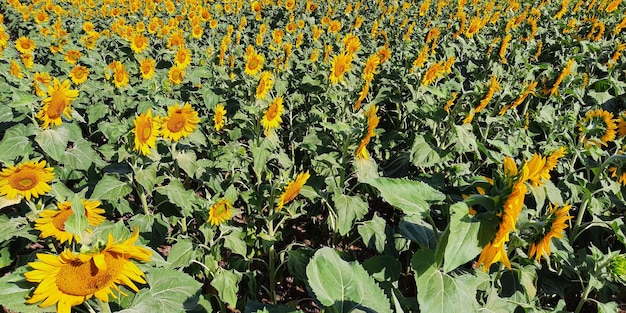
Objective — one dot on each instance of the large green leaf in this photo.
(110, 188)
(53, 142)
(227, 284)
(373, 233)
(13, 291)
(80, 156)
(439, 292)
(343, 286)
(179, 196)
(423, 154)
(412, 197)
(147, 177)
(12, 147)
(181, 254)
(234, 240)
(170, 291)
(15, 227)
(349, 209)
(465, 240)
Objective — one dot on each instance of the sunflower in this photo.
(339, 66)
(384, 54)
(370, 67)
(598, 128)
(57, 103)
(28, 179)
(121, 76)
(555, 225)
(70, 279)
(52, 222)
(272, 117)
(220, 212)
(28, 60)
(72, 56)
(79, 74)
(25, 45)
(40, 80)
(15, 69)
(176, 75)
(146, 132)
(292, 190)
(180, 122)
(254, 63)
(474, 27)
(139, 43)
(432, 74)
(266, 83)
(621, 126)
(220, 117)
(147, 68)
(182, 58)
(618, 173)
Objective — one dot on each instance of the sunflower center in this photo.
(146, 132)
(176, 122)
(340, 68)
(220, 209)
(60, 219)
(182, 57)
(23, 180)
(82, 279)
(253, 64)
(57, 104)
(272, 111)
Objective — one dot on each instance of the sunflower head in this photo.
(28, 179)
(180, 122)
(72, 278)
(266, 82)
(272, 117)
(220, 212)
(219, 118)
(254, 63)
(292, 189)
(52, 222)
(597, 128)
(57, 103)
(147, 129)
(340, 65)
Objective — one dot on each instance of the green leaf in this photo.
(181, 254)
(383, 268)
(4, 202)
(465, 240)
(77, 223)
(170, 291)
(349, 209)
(179, 196)
(187, 161)
(422, 154)
(13, 147)
(81, 156)
(466, 140)
(609, 307)
(13, 291)
(297, 261)
(147, 177)
(110, 188)
(373, 233)
(227, 284)
(21, 99)
(53, 142)
(234, 240)
(412, 197)
(342, 286)
(15, 227)
(96, 111)
(439, 292)
(416, 229)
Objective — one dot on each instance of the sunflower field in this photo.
(312, 156)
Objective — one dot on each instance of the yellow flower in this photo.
(266, 83)
(120, 76)
(146, 132)
(566, 71)
(254, 63)
(176, 75)
(474, 27)
(272, 117)
(618, 173)
(15, 69)
(292, 190)
(57, 103)
(139, 43)
(79, 74)
(621, 127)
(339, 66)
(147, 68)
(219, 118)
(494, 86)
(25, 45)
(72, 56)
(40, 80)
(28, 60)
(180, 122)
(183, 57)
(384, 54)
(433, 72)
(556, 224)
(70, 279)
(52, 222)
(220, 212)
(503, 46)
(598, 128)
(370, 67)
(27, 179)
(372, 123)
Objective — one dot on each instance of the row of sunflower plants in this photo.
(301, 155)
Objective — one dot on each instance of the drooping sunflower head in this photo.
(180, 122)
(340, 65)
(72, 56)
(219, 118)
(292, 189)
(272, 117)
(384, 54)
(28, 179)
(266, 83)
(57, 103)
(597, 128)
(220, 212)
(553, 226)
(52, 222)
(147, 129)
(72, 278)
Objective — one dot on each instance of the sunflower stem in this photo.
(271, 261)
(104, 307)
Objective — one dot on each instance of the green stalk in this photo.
(272, 265)
(104, 307)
